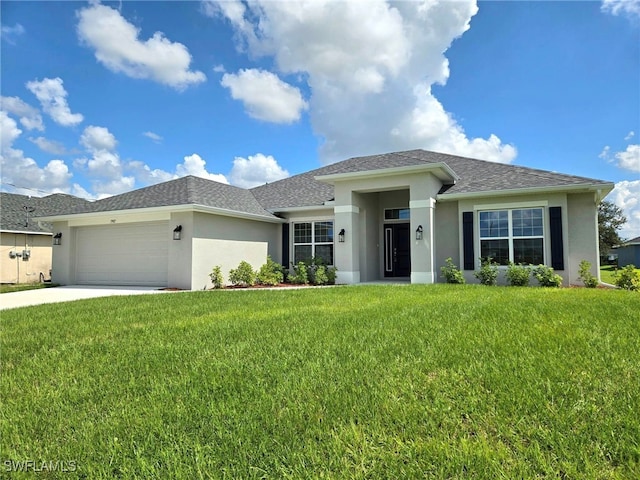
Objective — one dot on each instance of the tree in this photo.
(610, 220)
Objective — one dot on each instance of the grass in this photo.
(607, 273)
(8, 288)
(442, 381)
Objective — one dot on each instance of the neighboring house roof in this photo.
(14, 218)
(183, 191)
(633, 241)
(474, 177)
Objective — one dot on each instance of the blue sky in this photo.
(102, 98)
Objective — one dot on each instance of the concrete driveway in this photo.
(67, 294)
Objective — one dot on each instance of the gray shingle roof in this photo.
(303, 190)
(475, 176)
(187, 190)
(14, 217)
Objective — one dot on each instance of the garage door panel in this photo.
(128, 254)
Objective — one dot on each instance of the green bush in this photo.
(546, 276)
(244, 275)
(216, 277)
(488, 273)
(271, 273)
(331, 275)
(300, 274)
(452, 273)
(518, 275)
(585, 275)
(628, 278)
(320, 277)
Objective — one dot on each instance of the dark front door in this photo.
(397, 253)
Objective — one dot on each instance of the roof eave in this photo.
(601, 190)
(164, 209)
(440, 169)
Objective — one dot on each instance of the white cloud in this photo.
(49, 146)
(153, 136)
(196, 166)
(118, 48)
(30, 117)
(265, 96)
(256, 170)
(604, 154)
(370, 67)
(630, 158)
(96, 139)
(10, 33)
(53, 98)
(630, 8)
(22, 171)
(145, 175)
(626, 195)
(629, 135)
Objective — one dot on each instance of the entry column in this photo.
(422, 260)
(347, 256)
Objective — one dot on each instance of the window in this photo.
(313, 240)
(397, 214)
(512, 235)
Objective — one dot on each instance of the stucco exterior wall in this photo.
(226, 241)
(19, 269)
(447, 236)
(63, 262)
(582, 235)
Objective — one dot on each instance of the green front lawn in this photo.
(438, 381)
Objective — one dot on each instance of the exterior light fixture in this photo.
(419, 232)
(341, 236)
(57, 238)
(177, 232)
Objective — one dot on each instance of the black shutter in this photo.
(467, 240)
(555, 235)
(285, 245)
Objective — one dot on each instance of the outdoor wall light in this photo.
(177, 232)
(57, 238)
(341, 236)
(419, 232)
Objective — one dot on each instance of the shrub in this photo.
(244, 275)
(628, 278)
(216, 277)
(300, 274)
(452, 273)
(488, 273)
(585, 275)
(271, 273)
(320, 277)
(546, 276)
(331, 275)
(518, 275)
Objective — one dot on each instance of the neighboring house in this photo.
(392, 216)
(629, 253)
(25, 243)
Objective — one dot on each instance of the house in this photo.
(25, 244)
(390, 216)
(629, 253)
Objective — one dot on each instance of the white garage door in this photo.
(127, 254)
